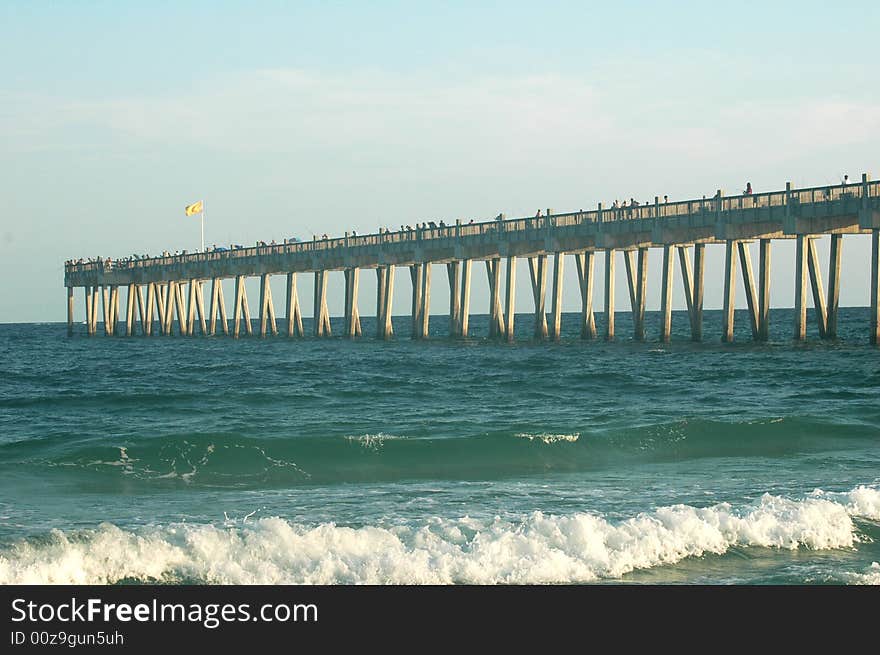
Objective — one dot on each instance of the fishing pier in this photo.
(161, 289)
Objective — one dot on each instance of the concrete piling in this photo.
(800, 289)
(874, 285)
(293, 312)
(538, 275)
(749, 286)
(609, 294)
(817, 288)
(833, 286)
(729, 290)
(558, 270)
(510, 299)
(415, 274)
(129, 310)
(424, 311)
(764, 290)
(666, 294)
(496, 313)
(641, 292)
(465, 297)
(387, 311)
(584, 262)
(322, 314)
(453, 272)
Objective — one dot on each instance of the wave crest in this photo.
(549, 438)
(537, 548)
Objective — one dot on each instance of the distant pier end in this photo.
(167, 295)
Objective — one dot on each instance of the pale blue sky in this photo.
(325, 117)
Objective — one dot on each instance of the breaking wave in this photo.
(533, 549)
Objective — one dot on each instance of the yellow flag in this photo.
(195, 208)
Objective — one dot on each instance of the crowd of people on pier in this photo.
(626, 209)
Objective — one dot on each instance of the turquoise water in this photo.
(335, 461)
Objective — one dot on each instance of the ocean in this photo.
(334, 461)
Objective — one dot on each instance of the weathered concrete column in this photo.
(833, 285)
(538, 275)
(817, 288)
(114, 309)
(729, 290)
(749, 286)
(453, 273)
(264, 320)
(170, 303)
(510, 299)
(764, 290)
(70, 311)
(242, 311)
(170, 299)
(687, 282)
(630, 265)
(380, 299)
(636, 279)
(294, 312)
(355, 310)
(212, 308)
(151, 304)
(465, 297)
(609, 294)
(874, 285)
(192, 301)
(352, 317)
(161, 303)
(129, 310)
(91, 311)
(699, 276)
(267, 307)
(200, 306)
(218, 306)
(425, 312)
(236, 311)
(87, 301)
(322, 314)
(166, 306)
(415, 274)
(95, 301)
(142, 313)
(800, 289)
(585, 265)
(666, 294)
(388, 307)
(558, 270)
(180, 306)
(346, 300)
(496, 314)
(641, 293)
(105, 296)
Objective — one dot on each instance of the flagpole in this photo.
(203, 225)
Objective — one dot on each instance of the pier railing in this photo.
(850, 192)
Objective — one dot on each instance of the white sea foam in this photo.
(869, 577)
(373, 441)
(862, 501)
(549, 438)
(537, 548)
